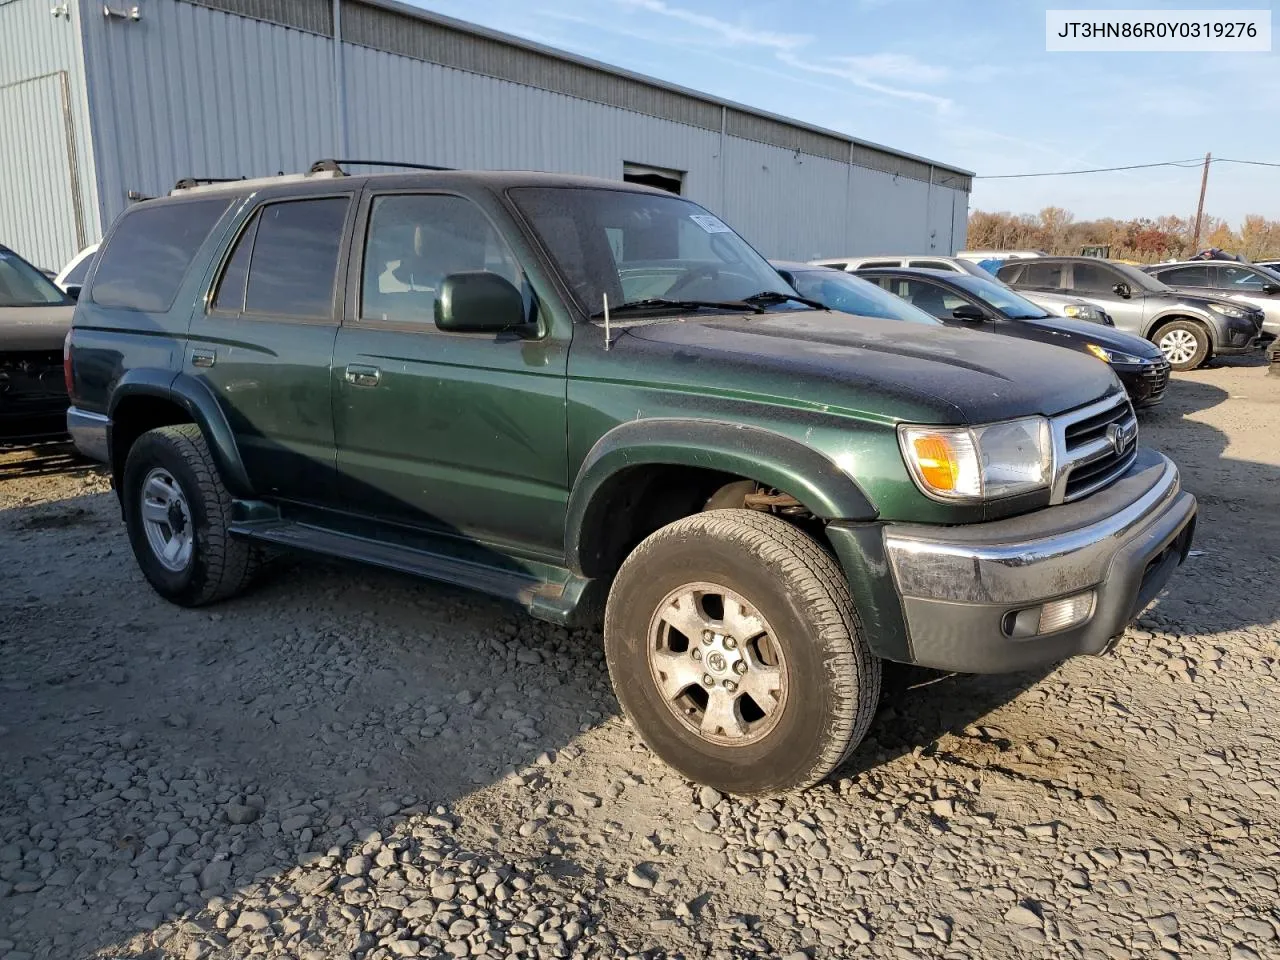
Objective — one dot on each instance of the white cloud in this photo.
(859, 78)
(896, 66)
(728, 32)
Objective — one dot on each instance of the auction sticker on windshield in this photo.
(709, 223)
(1119, 31)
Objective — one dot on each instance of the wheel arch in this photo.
(684, 462)
(144, 400)
(1173, 315)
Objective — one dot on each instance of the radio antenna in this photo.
(606, 323)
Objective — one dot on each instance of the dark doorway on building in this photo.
(670, 180)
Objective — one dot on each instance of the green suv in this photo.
(597, 400)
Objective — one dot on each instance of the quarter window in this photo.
(230, 295)
(414, 242)
(150, 251)
(295, 259)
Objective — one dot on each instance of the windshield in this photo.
(995, 294)
(22, 285)
(639, 246)
(841, 291)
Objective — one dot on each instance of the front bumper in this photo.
(1242, 336)
(950, 589)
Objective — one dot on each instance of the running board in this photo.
(548, 592)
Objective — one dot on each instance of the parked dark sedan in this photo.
(34, 319)
(958, 299)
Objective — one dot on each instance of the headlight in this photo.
(979, 463)
(1114, 356)
(1083, 311)
(1228, 311)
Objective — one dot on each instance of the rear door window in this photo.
(1197, 276)
(1043, 276)
(143, 264)
(294, 263)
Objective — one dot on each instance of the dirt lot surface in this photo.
(348, 763)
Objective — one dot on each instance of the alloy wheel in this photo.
(166, 518)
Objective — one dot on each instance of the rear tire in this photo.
(178, 514)
(790, 697)
(1184, 343)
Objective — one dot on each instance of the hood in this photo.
(1196, 297)
(34, 328)
(1085, 331)
(962, 376)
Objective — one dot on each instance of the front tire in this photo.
(735, 651)
(178, 514)
(1184, 343)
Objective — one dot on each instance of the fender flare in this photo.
(200, 404)
(769, 458)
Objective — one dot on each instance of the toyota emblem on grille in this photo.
(1121, 435)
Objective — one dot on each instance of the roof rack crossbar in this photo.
(337, 165)
(187, 183)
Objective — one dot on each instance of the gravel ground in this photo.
(348, 763)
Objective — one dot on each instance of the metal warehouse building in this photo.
(102, 103)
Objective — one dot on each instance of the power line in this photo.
(1195, 162)
(1185, 164)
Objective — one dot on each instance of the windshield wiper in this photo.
(661, 303)
(773, 296)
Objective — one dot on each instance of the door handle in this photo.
(363, 376)
(203, 358)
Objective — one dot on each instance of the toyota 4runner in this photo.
(597, 400)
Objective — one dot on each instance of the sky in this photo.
(964, 83)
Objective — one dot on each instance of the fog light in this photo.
(1050, 617)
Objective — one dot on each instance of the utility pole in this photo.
(1204, 182)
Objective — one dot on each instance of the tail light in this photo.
(68, 377)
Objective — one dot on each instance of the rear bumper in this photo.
(88, 433)
(954, 590)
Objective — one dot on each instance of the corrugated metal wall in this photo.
(189, 91)
(47, 199)
(195, 90)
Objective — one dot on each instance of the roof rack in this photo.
(335, 166)
(213, 184)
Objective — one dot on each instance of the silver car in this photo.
(1056, 303)
(1250, 283)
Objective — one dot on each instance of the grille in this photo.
(1157, 378)
(1086, 453)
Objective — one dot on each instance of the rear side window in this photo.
(295, 258)
(1197, 276)
(150, 251)
(1045, 275)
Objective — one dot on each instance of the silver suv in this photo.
(1188, 329)
(1056, 303)
(1249, 283)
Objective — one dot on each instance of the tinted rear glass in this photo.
(143, 263)
(295, 258)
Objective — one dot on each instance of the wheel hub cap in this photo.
(717, 665)
(1178, 346)
(166, 520)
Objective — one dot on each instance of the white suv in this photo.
(1056, 303)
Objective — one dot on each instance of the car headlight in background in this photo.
(1114, 356)
(979, 463)
(1229, 311)
(1084, 311)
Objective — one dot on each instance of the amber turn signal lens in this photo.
(939, 466)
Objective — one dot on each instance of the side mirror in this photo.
(479, 302)
(73, 291)
(1122, 290)
(967, 311)
(1271, 289)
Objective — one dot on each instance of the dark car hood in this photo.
(976, 376)
(29, 329)
(1067, 332)
(1195, 297)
